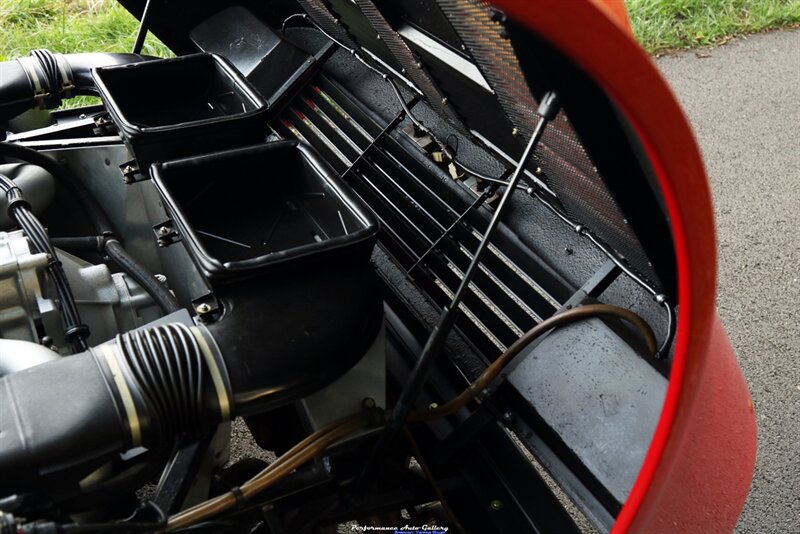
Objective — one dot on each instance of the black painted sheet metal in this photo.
(592, 388)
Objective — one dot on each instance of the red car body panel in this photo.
(698, 469)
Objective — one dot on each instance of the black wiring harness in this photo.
(106, 240)
(19, 210)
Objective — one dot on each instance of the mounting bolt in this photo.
(202, 308)
(433, 406)
(496, 504)
(508, 417)
(368, 403)
(418, 65)
(163, 230)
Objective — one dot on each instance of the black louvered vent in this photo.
(513, 289)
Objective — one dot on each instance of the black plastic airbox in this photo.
(176, 107)
(246, 211)
(275, 66)
(285, 248)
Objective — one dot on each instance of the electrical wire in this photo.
(100, 221)
(292, 17)
(19, 210)
(416, 122)
(65, 177)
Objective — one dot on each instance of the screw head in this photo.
(163, 230)
(202, 308)
(496, 504)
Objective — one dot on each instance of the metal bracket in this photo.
(207, 307)
(129, 170)
(104, 126)
(166, 233)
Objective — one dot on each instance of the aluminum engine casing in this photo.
(108, 303)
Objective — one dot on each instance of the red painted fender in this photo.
(697, 472)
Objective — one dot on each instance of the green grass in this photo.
(661, 25)
(104, 25)
(69, 26)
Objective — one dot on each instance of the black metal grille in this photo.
(569, 171)
(513, 289)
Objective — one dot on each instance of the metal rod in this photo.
(478, 201)
(143, 27)
(433, 347)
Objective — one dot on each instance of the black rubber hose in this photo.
(102, 225)
(161, 295)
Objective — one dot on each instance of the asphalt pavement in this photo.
(743, 100)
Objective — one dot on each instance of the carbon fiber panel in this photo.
(326, 20)
(569, 170)
(411, 64)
